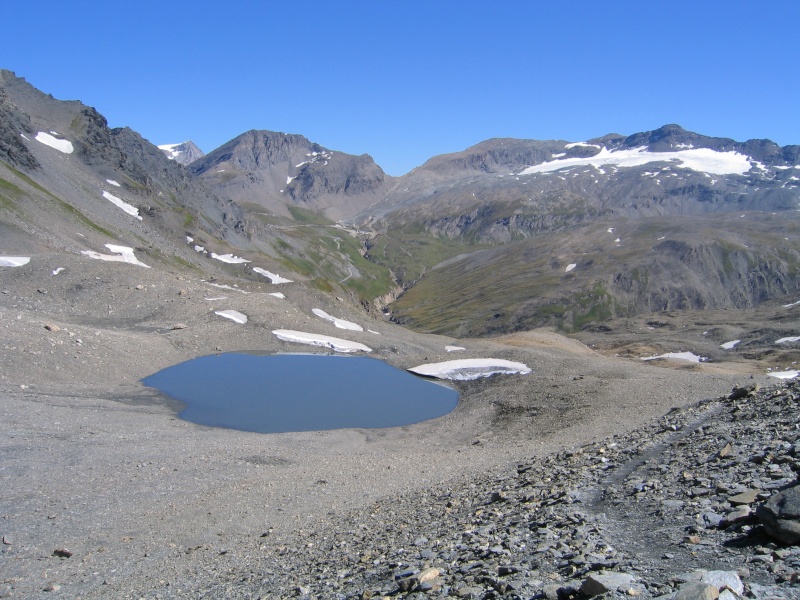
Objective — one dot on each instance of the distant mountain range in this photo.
(508, 234)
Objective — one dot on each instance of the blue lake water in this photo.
(300, 392)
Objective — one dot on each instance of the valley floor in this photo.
(99, 468)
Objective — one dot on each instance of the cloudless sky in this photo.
(406, 80)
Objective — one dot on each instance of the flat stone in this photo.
(735, 516)
(781, 515)
(746, 497)
(697, 590)
(604, 582)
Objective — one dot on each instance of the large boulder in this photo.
(781, 515)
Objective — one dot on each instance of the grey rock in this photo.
(781, 515)
(746, 497)
(697, 590)
(723, 579)
(604, 582)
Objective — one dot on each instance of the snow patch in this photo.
(698, 159)
(729, 345)
(570, 267)
(340, 323)
(470, 368)
(14, 261)
(792, 304)
(58, 270)
(786, 340)
(690, 356)
(580, 144)
(112, 182)
(788, 374)
(273, 277)
(229, 258)
(64, 146)
(454, 348)
(313, 339)
(118, 202)
(120, 254)
(233, 315)
(223, 286)
(277, 295)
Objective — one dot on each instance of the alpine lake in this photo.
(300, 392)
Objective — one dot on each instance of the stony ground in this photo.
(529, 487)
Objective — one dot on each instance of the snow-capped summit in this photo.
(183, 153)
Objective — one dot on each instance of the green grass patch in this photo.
(303, 215)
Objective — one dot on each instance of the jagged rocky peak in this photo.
(183, 153)
(258, 150)
(276, 169)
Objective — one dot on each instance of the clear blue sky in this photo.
(406, 80)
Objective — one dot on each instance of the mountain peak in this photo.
(183, 153)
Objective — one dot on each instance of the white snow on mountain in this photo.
(14, 261)
(698, 159)
(128, 208)
(273, 277)
(120, 254)
(340, 323)
(183, 153)
(64, 146)
(170, 150)
(229, 258)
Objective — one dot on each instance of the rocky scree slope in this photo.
(46, 187)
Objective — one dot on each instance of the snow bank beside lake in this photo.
(471, 368)
(313, 339)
